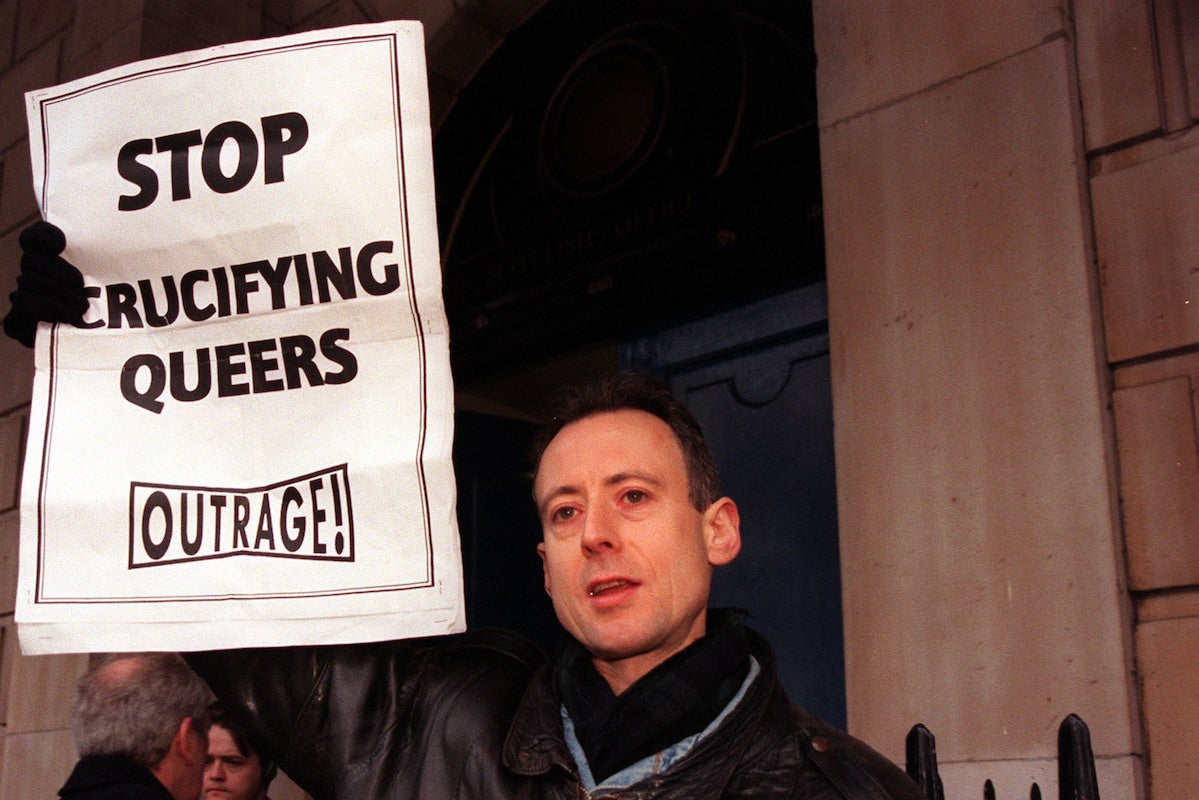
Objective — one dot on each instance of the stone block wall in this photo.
(1139, 76)
(1012, 289)
(978, 520)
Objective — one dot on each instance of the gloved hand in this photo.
(49, 288)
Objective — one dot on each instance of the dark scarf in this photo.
(676, 699)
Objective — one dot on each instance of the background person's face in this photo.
(228, 773)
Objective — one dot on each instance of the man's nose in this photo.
(215, 771)
(600, 530)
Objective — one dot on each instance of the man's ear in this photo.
(722, 531)
(544, 568)
(191, 741)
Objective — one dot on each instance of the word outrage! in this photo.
(308, 516)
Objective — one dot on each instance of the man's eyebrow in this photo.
(557, 491)
(643, 477)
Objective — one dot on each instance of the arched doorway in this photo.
(617, 166)
(638, 183)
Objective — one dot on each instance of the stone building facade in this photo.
(1013, 298)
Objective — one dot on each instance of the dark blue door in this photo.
(757, 377)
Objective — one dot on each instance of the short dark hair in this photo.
(624, 391)
(221, 718)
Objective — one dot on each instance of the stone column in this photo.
(982, 561)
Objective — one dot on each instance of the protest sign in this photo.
(248, 442)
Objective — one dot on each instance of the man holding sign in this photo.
(655, 696)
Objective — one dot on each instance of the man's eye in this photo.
(563, 514)
(634, 495)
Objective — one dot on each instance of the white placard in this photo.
(250, 443)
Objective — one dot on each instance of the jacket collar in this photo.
(536, 741)
(94, 774)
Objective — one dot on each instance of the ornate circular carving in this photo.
(605, 119)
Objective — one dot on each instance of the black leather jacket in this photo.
(112, 778)
(475, 716)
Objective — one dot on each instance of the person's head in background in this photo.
(234, 770)
(149, 708)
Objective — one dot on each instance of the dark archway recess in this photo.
(621, 165)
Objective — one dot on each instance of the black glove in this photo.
(49, 288)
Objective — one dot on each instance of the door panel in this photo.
(757, 378)
(499, 529)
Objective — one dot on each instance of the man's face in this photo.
(228, 774)
(628, 559)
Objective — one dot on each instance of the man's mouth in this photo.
(607, 587)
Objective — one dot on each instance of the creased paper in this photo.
(249, 441)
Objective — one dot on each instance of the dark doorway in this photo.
(642, 172)
(621, 165)
(499, 528)
(757, 378)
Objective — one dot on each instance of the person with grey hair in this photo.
(140, 722)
